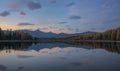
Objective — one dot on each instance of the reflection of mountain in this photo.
(112, 47)
(60, 59)
(40, 46)
(40, 34)
(32, 46)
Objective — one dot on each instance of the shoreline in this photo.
(57, 41)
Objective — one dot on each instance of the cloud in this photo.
(5, 13)
(107, 4)
(53, 1)
(33, 5)
(52, 27)
(44, 28)
(62, 22)
(18, 5)
(77, 30)
(67, 26)
(22, 13)
(70, 29)
(62, 29)
(110, 3)
(25, 24)
(74, 17)
(70, 4)
(93, 28)
(110, 21)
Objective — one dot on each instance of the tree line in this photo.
(14, 35)
(113, 35)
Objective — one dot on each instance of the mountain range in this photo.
(41, 34)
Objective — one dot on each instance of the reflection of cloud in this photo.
(63, 58)
(45, 50)
(5, 13)
(53, 50)
(24, 24)
(74, 17)
(58, 50)
(75, 63)
(3, 68)
(70, 4)
(24, 56)
(33, 5)
(20, 67)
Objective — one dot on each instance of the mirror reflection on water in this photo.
(84, 56)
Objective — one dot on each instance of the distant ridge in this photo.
(40, 34)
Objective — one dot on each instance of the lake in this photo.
(59, 57)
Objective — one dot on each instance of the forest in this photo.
(13, 35)
(112, 35)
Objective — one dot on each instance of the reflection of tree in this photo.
(110, 46)
(20, 67)
(15, 46)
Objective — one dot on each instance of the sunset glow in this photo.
(68, 16)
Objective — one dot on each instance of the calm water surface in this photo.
(59, 57)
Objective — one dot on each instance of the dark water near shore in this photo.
(60, 56)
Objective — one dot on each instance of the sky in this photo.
(60, 16)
